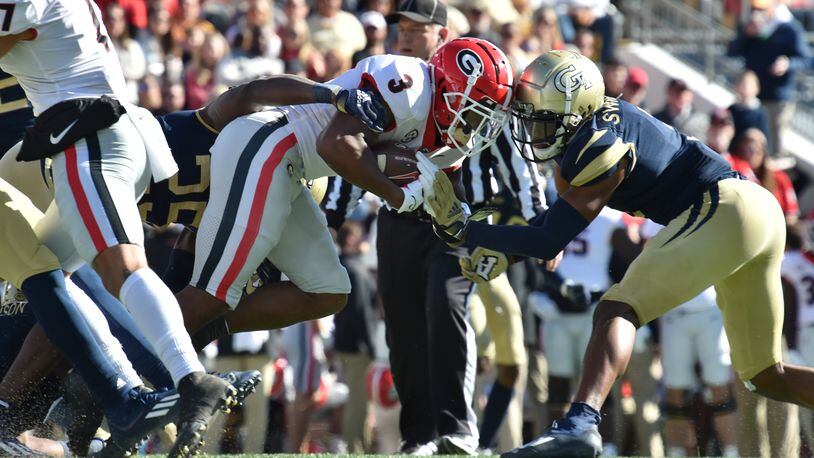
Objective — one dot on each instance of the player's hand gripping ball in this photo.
(483, 265)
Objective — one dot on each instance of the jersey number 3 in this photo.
(397, 86)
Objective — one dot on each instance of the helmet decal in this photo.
(576, 79)
(469, 62)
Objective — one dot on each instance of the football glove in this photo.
(450, 215)
(483, 265)
(413, 197)
(355, 102)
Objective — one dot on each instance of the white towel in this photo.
(159, 156)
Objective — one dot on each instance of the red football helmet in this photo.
(473, 89)
(379, 384)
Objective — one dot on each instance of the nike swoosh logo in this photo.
(58, 138)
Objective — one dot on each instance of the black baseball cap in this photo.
(423, 11)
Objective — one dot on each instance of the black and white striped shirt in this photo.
(484, 176)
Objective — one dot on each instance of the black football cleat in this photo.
(83, 414)
(245, 382)
(202, 395)
(575, 436)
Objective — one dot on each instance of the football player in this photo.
(32, 268)
(720, 230)
(257, 208)
(61, 55)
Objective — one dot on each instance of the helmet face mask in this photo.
(475, 125)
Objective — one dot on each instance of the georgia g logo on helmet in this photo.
(572, 74)
(469, 62)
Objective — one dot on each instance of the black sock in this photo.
(210, 332)
(494, 413)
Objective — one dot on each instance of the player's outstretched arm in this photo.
(547, 235)
(291, 90)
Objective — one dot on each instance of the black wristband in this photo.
(323, 94)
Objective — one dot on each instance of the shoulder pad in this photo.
(591, 154)
(403, 82)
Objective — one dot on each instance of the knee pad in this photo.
(682, 412)
(727, 406)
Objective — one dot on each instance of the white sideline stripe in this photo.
(157, 413)
(171, 397)
(164, 404)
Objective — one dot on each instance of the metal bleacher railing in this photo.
(700, 40)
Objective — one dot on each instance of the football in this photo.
(398, 163)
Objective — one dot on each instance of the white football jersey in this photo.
(587, 257)
(798, 269)
(71, 56)
(403, 82)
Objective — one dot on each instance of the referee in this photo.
(424, 295)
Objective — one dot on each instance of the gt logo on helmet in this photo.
(469, 62)
(577, 79)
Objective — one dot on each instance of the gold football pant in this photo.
(732, 238)
(22, 255)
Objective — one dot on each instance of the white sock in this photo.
(158, 315)
(98, 325)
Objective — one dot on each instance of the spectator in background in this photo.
(131, 57)
(296, 11)
(747, 110)
(294, 37)
(135, 13)
(546, 34)
(186, 22)
(773, 45)
(149, 94)
(614, 72)
(593, 15)
(375, 33)
(173, 97)
(330, 27)
(160, 50)
(480, 22)
(720, 133)
(510, 42)
(679, 113)
(201, 75)
(635, 88)
(585, 43)
(336, 63)
(254, 34)
(751, 147)
(352, 334)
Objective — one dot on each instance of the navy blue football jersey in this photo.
(16, 319)
(15, 112)
(182, 198)
(667, 170)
